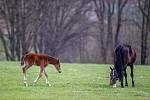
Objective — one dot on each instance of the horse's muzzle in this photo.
(111, 83)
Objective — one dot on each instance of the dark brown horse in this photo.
(124, 56)
(41, 60)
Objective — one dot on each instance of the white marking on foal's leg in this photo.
(35, 81)
(46, 77)
(47, 82)
(114, 86)
(25, 76)
(38, 77)
(25, 81)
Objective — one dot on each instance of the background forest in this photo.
(82, 31)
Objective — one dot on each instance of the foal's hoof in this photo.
(49, 84)
(25, 84)
(34, 84)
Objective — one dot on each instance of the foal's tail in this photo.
(22, 58)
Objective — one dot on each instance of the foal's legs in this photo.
(24, 69)
(46, 76)
(126, 84)
(132, 75)
(39, 75)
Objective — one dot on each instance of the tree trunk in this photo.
(110, 41)
(5, 48)
(145, 30)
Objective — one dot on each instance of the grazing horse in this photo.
(124, 56)
(41, 60)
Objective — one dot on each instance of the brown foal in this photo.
(41, 60)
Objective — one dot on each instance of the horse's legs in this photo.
(39, 75)
(122, 76)
(46, 76)
(122, 86)
(132, 75)
(24, 69)
(126, 84)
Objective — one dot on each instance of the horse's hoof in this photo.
(114, 86)
(122, 86)
(126, 85)
(133, 86)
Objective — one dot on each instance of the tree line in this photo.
(67, 27)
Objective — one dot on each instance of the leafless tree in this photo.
(144, 6)
(75, 30)
(17, 15)
(100, 13)
(110, 12)
(120, 6)
(61, 23)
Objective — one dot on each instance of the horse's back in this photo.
(128, 54)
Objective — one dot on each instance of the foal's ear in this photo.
(57, 60)
(111, 68)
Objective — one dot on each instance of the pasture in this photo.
(76, 82)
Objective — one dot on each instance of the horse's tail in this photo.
(22, 58)
(119, 60)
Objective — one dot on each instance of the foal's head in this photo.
(57, 66)
(56, 63)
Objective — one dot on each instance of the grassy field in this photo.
(76, 82)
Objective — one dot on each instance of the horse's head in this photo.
(57, 66)
(111, 76)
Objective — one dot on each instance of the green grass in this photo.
(76, 82)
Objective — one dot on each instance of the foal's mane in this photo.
(53, 58)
